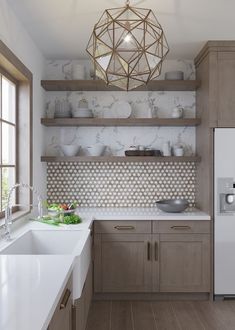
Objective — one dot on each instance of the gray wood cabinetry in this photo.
(184, 263)
(226, 87)
(122, 262)
(215, 99)
(82, 305)
(62, 318)
(173, 256)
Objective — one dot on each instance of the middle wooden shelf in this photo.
(92, 122)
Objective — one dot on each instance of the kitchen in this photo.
(117, 179)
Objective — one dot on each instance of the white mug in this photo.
(177, 112)
(166, 150)
(179, 151)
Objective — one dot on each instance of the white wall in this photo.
(14, 35)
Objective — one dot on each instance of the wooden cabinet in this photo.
(172, 256)
(82, 305)
(184, 263)
(122, 262)
(226, 87)
(62, 318)
(184, 256)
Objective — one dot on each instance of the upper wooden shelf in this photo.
(52, 159)
(73, 122)
(99, 85)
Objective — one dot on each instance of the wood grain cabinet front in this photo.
(174, 257)
(62, 318)
(122, 263)
(82, 305)
(226, 86)
(184, 263)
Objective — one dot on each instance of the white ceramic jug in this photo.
(177, 112)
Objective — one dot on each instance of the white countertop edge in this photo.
(58, 297)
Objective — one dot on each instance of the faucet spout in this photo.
(8, 211)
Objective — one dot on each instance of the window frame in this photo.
(5, 74)
(15, 71)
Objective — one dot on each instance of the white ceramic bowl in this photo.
(174, 75)
(70, 150)
(96, 149)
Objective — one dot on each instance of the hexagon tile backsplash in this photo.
(120, 184)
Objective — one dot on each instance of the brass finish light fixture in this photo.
(127, 47)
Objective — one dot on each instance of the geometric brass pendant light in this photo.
(127, 47)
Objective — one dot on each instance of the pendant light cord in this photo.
(127, 3)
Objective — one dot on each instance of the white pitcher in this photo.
(177, 112)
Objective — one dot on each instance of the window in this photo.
(16, 83)
(8, 143)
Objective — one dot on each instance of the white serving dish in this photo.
(70, 150)
(174, 75)
(65, 114)
(82, 113)
(96, 149)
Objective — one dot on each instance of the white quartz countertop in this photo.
(30, 289)
(138, 214)
(31, 285)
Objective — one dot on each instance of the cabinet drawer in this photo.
(181, 227)
(132, 226)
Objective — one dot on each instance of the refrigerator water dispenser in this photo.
(226, 196)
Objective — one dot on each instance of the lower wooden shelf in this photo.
(113, 159)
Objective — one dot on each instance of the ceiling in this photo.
(61, 28)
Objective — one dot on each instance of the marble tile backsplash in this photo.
(120, 184)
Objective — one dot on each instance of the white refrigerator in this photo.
(224, 211)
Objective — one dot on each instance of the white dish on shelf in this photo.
(96, 149)
(70, 150)
(82, 113)
(119, 109)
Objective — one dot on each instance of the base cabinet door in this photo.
(123, 263)
(62, 318)
(184, 263)
(82, 305)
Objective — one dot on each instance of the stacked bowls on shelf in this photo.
(62, 109)
(82, 111)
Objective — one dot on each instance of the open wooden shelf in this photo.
(51, 159)
(99, 85)
(61, 122)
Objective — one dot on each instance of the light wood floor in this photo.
(173, 315)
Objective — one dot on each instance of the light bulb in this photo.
(127, 38)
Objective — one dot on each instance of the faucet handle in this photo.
(8, 215)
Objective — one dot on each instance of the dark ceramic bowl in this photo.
(175, 205)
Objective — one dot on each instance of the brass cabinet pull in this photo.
(148, 251)
(156, 251)
(65, 299)
(124, 227)
(180, 227)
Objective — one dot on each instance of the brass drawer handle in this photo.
(124, 227)
(148, 251)
(65, 299)
(181, 227)
(156, 250)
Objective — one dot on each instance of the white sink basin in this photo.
(45, 242)
(56, 242)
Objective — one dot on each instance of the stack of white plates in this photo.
(82, 113)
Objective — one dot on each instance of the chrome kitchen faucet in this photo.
(8, 211)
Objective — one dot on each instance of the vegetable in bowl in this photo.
(72, 219)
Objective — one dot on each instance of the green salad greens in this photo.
(72, 219)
